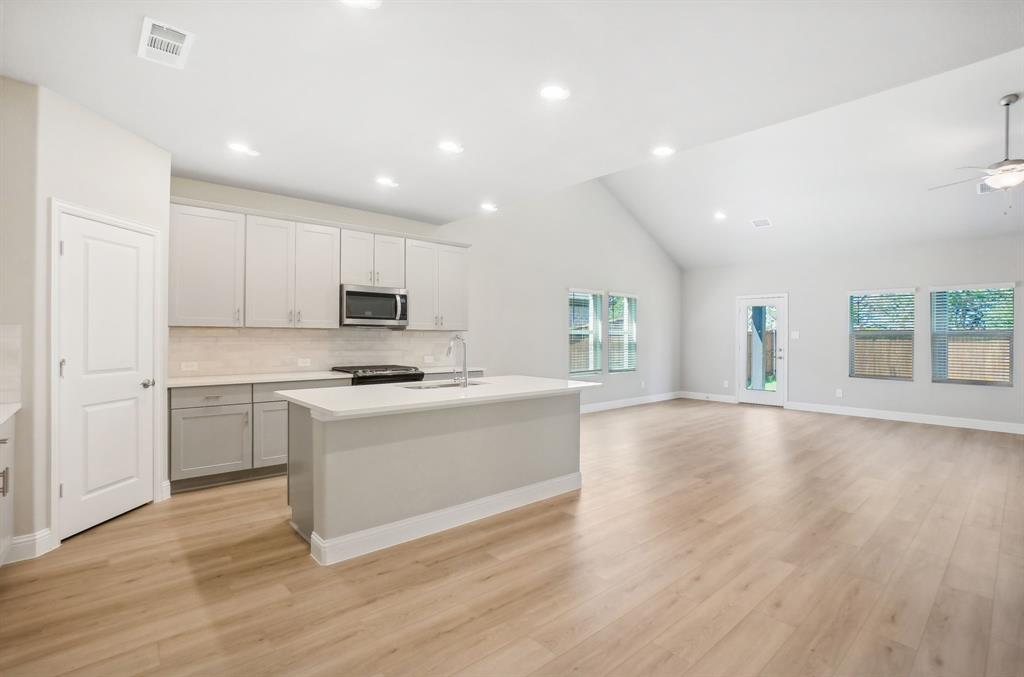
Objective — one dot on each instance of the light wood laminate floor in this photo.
(709, 539)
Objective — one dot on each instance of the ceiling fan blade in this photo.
(980, 169)
(955, 183)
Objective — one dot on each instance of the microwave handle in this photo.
(398, 306)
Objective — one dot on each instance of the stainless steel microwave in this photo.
(364, 306)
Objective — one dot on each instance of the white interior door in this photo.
(761, 333)
(106, 396)
(317, 276)
(269, 272)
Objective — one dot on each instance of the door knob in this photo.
(148, 383)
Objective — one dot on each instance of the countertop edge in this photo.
(279, 377)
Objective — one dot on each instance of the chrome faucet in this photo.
(464, 381)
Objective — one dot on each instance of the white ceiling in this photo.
(334, 96)
(853, 176)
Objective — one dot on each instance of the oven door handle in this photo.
(398, 306)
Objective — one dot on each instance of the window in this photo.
(621, 332)
(882, 335)
(972, 336)
(584, 331)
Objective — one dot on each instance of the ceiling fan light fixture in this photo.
(1004, 180)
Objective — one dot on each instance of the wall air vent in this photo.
(164, 44)
(761, 223)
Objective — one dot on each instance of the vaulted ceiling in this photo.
(333, 96)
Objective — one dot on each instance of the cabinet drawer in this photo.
(264, 392)
(210, 440)
(209, 396)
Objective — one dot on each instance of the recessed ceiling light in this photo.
(488, 206)
(362, 4)
(387, 181)
(244, 149)
(662, 151)
(720, 215)
(449, 146)
(554, 92)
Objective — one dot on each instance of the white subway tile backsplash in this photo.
(224, 350)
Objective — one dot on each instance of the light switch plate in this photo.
(304, 362)
(189, 366)
(839, 392)
(428, 359)
(725, 384)
(795, 334)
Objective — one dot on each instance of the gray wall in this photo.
(527, 256)
(818, 309)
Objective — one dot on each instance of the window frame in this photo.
(599, 334)
(1012, 286)
(912, 291)
(607, 303)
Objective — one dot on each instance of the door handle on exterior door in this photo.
(148, 383)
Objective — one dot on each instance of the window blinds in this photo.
(972, 336)
(584, 332)
(621, 333)
(882, 335)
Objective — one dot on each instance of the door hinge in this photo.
(61, 366)
(61, 247)
(60, 490)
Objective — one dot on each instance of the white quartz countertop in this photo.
(230, 379)
(334, 404)
(7, 410)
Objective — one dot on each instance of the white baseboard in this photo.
(710, 397)
(629, 402)
(911, 417)
(334, 550)
(30, 546)
(164, 492)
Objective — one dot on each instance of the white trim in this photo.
(618, 293)
(748, 297)
(30, 546)
(334, 550)
(709, 397)
(911, 417)
(628, 402)
(581, 290)
(58, 207)
(974, 287)
(246, 211)
(163, 492)
(882, 292)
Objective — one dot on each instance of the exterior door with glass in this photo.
(761, 349)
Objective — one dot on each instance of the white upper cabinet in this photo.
(356, 257)
(389, 261)
(206, 286)
(270, 272)
(421, 284)
(453, 287)
(317, 276)
(437, 279)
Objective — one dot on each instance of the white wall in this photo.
(818, 360)
(83, 159)
(526, 257)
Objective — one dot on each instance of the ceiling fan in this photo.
(1006, 173)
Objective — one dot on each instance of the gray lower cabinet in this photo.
(269, 433)
(210, 440)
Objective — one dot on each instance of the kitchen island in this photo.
(373, 466)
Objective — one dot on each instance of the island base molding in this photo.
(349, 546)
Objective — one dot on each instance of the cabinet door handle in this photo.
(245, 422)
(442, 320)
(5, 480)
(371, 277)
(4, 440)
(299, 317)
(290, 313)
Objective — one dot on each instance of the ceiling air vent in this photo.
(163, 44)
(762, 223)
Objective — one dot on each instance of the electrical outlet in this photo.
(190, 366)
(643, 385)
(839, 392)
(428, 359)
(304, 362)
(795, 334)
(725, 384)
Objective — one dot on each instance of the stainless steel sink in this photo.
(439, 384)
